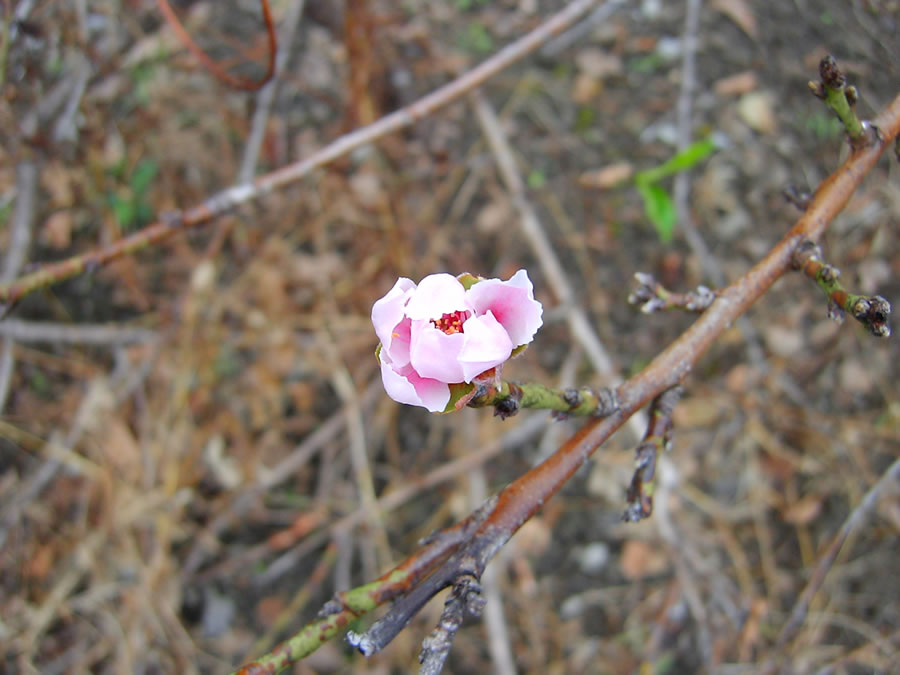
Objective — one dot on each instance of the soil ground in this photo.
(135, 536)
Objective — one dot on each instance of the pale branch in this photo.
(651, 296)
(171, 224)
(477, 539)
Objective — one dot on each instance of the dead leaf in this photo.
(804, 511)
(784, 341)
(640, 560)
(57, 230)
(493, 216)
(698, 411)
(367, 188)
(855, 377)
(757, 110)
(586, 88)
(598, 63)
(737, 84)
(739, 12)
(56, 179)
(606, 177)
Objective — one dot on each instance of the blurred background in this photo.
(193, 440)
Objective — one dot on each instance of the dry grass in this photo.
(180, 503)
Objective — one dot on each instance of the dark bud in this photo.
(875, 313)
(852, 95)
(799, 198)
(831, 75)
(829, 274)
(506, 408)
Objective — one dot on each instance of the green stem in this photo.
(508, 397)
(836, 99)
(356, 603)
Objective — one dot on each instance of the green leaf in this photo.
(536, 179)
(124, 209)
(477, 39)
(659, 209)
(686, 159)
(143, 176)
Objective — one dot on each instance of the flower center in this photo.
(451, 323)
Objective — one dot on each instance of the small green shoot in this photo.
(658, 204)
(477, 39)
(536, 179)
(465, 5)
(130, 205)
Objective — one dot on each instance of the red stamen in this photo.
(451, 323)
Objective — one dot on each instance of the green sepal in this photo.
(468, 280)
(460, 394)
(518, 350)
(378, 353)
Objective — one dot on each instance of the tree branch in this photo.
(458, 556)
(220, 203)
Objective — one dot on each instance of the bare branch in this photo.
(240, 194)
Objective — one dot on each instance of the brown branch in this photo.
(240, 194)
(220, 73)
(520, 500)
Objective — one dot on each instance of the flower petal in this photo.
(434, 354)
(436, 295)
(487, 345)
(411, 389)
(512, 303)
(389, 310)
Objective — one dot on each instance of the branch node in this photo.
(465, 598)
(873, 312)
(362, 642)
(799, 198)
(658, 438)
(509, 406)
(653, 297)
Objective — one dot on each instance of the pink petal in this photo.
(434, 354)
(487, 345)
(389, 310)
(512, 303)
(398, 349)
(436, 295)
(414, 390)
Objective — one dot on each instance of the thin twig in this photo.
(20, 227)
(682, 184)
(113, 335)
(213, 67)
(267, 94)
(494, 617)
(855, 520)
(579, 324)
(240, 194)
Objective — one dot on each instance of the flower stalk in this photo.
(507, 398)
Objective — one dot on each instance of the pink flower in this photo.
(438, 333)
